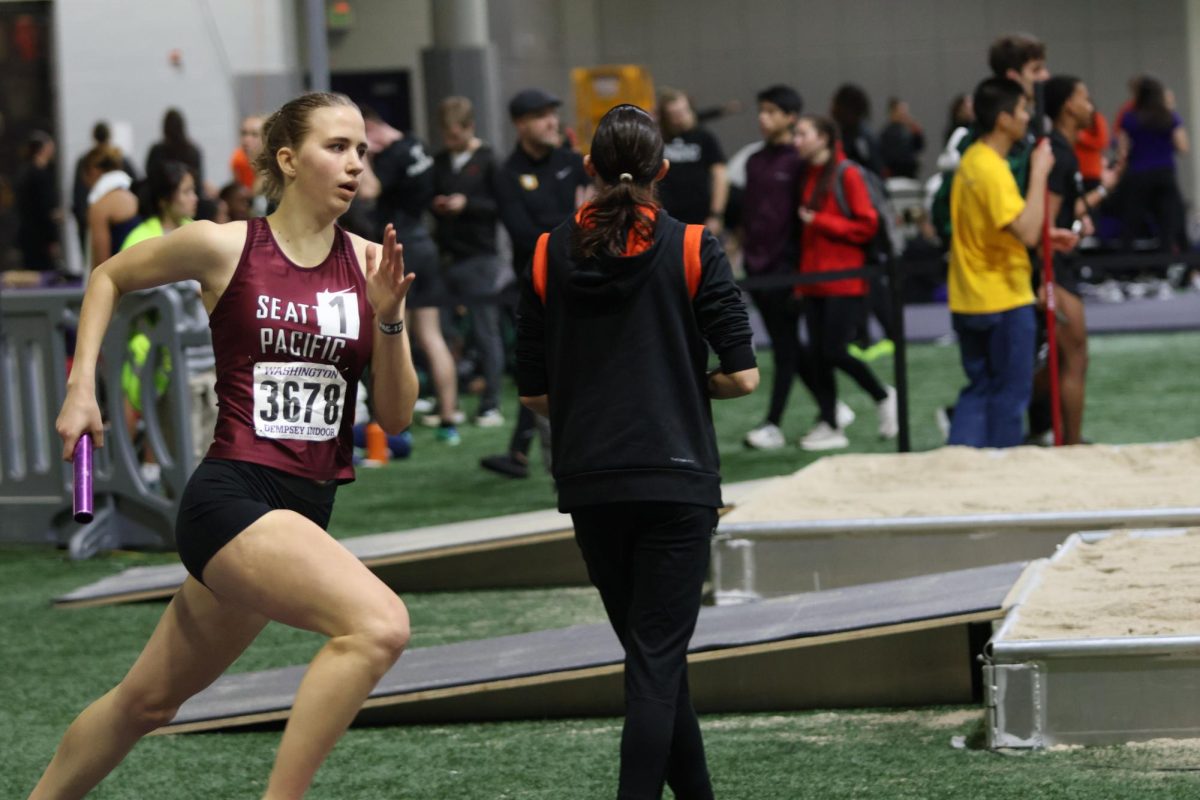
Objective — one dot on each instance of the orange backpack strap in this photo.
(692, 268)
(539, 266)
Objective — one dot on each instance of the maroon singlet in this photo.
(291, 343)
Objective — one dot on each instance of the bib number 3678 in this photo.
(298, 401)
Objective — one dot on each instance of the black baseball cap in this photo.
(527, 101)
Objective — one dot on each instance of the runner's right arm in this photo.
(194, 252)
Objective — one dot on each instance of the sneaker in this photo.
(151, 476)
(1043, 439)
(505, 464)
(823, 437)
(423, 406)
(1109, 291)
(448, 434)
(491, 418)
(856, 351)
(889, 416)
(845, 415)
(1163, 291)
(943, 415)
(884, 347)
(434, 420)
(765, 437)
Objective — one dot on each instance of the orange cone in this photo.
(377, 446)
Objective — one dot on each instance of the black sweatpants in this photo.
(1153, 194)
(780, 311)
(649, 561)
(831, 325)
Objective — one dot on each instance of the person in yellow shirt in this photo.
(991, 298)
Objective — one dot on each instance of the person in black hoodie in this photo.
(615, 319)
(464, 207)
(405, 172)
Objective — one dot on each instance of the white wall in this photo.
(115, 66)
(925, 51)
(112, 63)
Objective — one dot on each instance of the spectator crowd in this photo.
(821, 192)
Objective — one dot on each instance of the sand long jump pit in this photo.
(1101, 644)
(852, 519)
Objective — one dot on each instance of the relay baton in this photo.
(83, 479)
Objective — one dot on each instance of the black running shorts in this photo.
(224, 497)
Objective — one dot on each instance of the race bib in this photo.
(298, 401)
(337, 314)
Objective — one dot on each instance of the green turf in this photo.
(52, 662)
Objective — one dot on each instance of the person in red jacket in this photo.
(832, 240)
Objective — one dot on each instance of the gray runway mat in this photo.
(929, 322)
(884, 614)
(530, 549)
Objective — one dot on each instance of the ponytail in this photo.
(627, 155)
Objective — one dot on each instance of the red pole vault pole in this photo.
(1051, 323)
(1039, 119)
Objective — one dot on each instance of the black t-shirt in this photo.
(1064, 179)
(405, 172)
(686, 192)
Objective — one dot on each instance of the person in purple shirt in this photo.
(1149, 135)
(770, 242)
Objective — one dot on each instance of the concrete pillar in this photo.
(1190, 179)
(317, 39)
(463, 61)
(460, 23)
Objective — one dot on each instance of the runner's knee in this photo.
(384, 633)
(145, 708)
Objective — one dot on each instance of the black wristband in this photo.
(391, 328)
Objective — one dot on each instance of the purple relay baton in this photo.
(83, 479)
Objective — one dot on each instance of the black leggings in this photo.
(1154, 194)
(879, 298)
(649, 561)
(780, 312)
(831, 325)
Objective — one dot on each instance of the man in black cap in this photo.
(537, 188)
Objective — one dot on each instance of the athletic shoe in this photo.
(845, 415)
(151, 475)
(765, 437)
(491, 418)
(856, 351)
(943, 416)
(505, 464)
(424, 406)
(434, 421)
(1043, 439)
(889, 415)
(823, 437)
(448, 434)
(884, 347)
